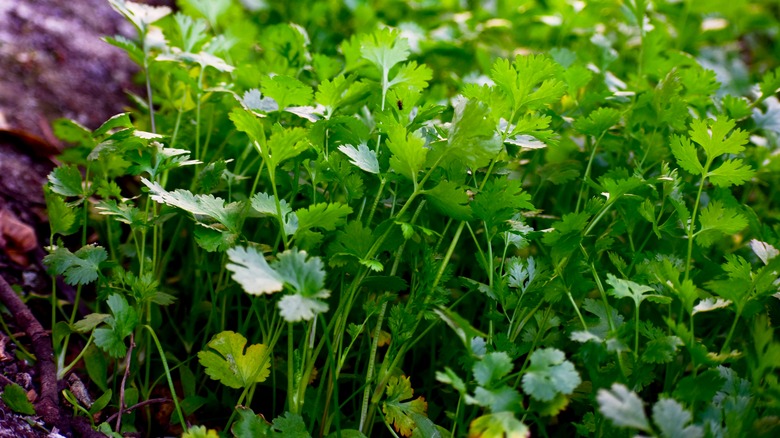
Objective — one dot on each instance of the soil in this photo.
(53, 65)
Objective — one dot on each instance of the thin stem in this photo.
(168, 377)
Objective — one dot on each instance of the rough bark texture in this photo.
(47, 406)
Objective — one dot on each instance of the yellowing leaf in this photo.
(225, 360)
(400, 412)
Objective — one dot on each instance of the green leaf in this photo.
(550, 374)
(121, 120)
(81, 267)
(122, 323)
(307, 279)
(412, 75)
(286, 91)
(770, 83)
(252, 272)
(265, 204)
(15, 397)
(496, 400)
(598, 121)
(141, 15)
(498, 425)
(291, 425)
(225, 360)
(713, 136)
(408, 149)
(362, 157)
(499, 201)
(62, 217)
(623, 407)
(125, 213)
(717, 220)
(89, 322)
(294, 308)
(530, 82)
(305, 275)
(492, 368)
(384, 48)
(685, 153)
(249, 424)
(397, 410)
(451, 200)
(472, 138)
(731, 173)
(73, 132)
(66, 181)
(674, 421)
(662, 349)
(566, 234)
(204, 208)
(628, 289)
(323, 215)
(286, 143)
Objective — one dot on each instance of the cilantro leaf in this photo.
(713, 136)
(763, 250)
(770, 83)
(66, 181)
(252, 272)
(408, 151)
(81, 267)
(472, 137)
(291, 425)
(673, 420)
(249, 424)
(731, 173)
(307, 277)
(323, 215)
(499, 201)
(685, 153)
(62, 218)
(204, 208)
(398, 411)
(412, 75)
(265, 204)
(498, 425)
(623, 407)
(362, 157)
(225, 360)
(492, 368)
(628, 289)
(286, 91)
(598, 121)
(451, 200)
(717, 220)
(662, 349)
(550, 374)
(122, 322)
(294, 308)
(384, 48)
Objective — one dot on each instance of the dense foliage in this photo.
(417, 218)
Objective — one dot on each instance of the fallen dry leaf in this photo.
(16, 238)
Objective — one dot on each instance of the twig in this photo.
(124, 381)
(48, 406)
(151, 401)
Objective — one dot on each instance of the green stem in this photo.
(168, 376)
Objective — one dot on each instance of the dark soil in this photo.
(53, 65)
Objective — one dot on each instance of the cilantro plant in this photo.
(412, 219)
